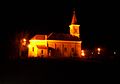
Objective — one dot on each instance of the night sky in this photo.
(99, 20)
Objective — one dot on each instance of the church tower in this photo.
(74, 27)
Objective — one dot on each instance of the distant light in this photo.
(114, 52)
(92, 53)
(98, 49)
(98, 52)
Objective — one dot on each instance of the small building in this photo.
(57, 44)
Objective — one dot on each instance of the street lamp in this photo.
(82, 53)
(23, 43)
(98, 49)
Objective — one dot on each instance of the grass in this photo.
(54, 71)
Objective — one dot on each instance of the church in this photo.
(57, 44)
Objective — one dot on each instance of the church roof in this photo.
(38, 37)
(56, 36)
(61, 36)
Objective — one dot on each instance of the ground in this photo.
(54, 71)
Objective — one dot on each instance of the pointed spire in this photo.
(74, 19)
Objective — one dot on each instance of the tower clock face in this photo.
(75, 30)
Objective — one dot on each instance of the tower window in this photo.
(33, 49)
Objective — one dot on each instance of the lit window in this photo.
(98, 49)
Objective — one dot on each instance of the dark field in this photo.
(54, 71)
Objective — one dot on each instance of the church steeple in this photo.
(74, 19)
(74, 27)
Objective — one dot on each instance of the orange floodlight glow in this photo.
(98, 49)
(82, 53)
(24, 40)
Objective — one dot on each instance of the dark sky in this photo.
(99, 19)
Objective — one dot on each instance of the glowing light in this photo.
(98, 50)
(24, 40)
(114, 52)
(82, 53)
(92, 52)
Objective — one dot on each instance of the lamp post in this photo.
(82, 53)
(22, 44)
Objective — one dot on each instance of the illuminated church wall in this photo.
(61, 48)
(78, 49)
